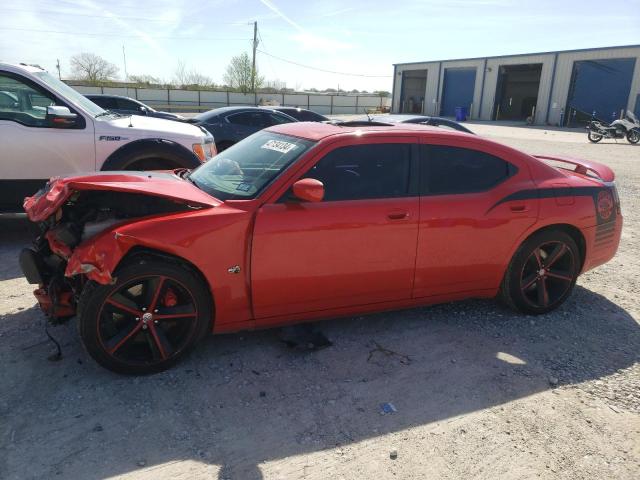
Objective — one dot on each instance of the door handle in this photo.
(397, 215)
(518, 208)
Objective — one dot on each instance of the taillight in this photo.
(605, 204)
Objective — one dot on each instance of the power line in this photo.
(113, 17)
(322, 69)
(69, 32)
(268, 59)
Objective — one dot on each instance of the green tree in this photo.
(238, 74)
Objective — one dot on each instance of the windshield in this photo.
(69, 93)
(245, 169)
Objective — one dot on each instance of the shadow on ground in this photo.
(244, 399)
(13, 232)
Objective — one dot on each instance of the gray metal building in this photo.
(551, 88)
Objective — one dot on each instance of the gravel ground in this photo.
(478, 391)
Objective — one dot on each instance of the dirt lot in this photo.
(480, 392)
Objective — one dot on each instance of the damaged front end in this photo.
(72, 219)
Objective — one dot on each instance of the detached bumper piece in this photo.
(61, 308)
(56, 302)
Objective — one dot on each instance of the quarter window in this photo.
(364, 171)
(22, 103)
(455, 170)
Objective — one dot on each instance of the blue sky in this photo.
(364, 37)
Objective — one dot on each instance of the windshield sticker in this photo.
(279, 146)
(244, 187)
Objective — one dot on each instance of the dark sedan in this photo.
(302, 114)
(420, 119)
(130, 106)
(229, 125)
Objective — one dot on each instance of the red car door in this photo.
(466, 236)
(355, 247)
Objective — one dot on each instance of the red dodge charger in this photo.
(306, 221)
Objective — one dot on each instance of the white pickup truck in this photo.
(48, 129)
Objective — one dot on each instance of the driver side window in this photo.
(22, 103)
(359, 172)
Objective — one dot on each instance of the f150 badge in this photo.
(111, 138)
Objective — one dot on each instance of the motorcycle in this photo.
(629, 127)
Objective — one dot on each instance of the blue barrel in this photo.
(461, 114)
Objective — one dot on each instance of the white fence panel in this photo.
(272, 98)
(87, 90)
(242, 98)
(317, 100)
(153, 95)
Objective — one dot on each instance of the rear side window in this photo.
(250, 119)
(107, 103)
(455, 170)
(124, 104)
(360, 172)
(277, 118)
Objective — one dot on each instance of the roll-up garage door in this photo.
(458, 87)
(600, 86)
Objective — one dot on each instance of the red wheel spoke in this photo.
(556, 254)
(123, 337)
(174, 315)
(538, 258)
(179, 311)
(122, 307)
(560, 275)
(530, 280)
(161, 341)
(156, 294)
(543, 293)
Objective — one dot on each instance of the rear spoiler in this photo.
(583, 167)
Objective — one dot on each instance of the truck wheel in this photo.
(146, 321)
(152, 160)
(542, 273)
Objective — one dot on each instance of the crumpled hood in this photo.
(160, 184)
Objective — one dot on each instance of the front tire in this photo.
(633, 136)
(594, 137)
(150, 318)
(542, 273)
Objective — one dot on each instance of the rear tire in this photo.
(633, 136)
(542, 273)
(594, 137)
(149, 319)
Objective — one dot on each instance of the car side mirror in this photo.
(309, 190)
(60, 117)
(144, 110)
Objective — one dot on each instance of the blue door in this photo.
(600, 86)
(458, 87)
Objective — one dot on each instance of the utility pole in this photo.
(124, 59)
(253, 65)
(58, 67)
